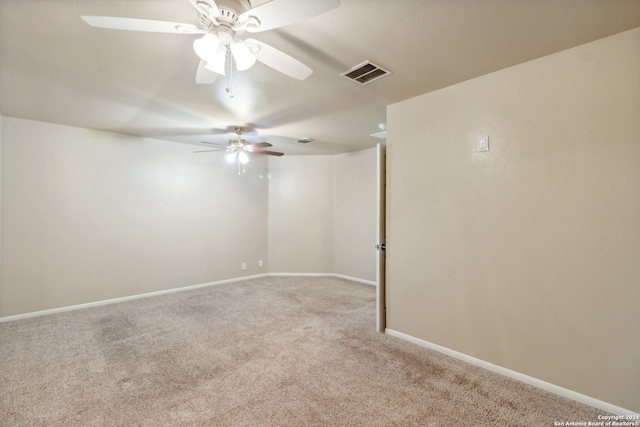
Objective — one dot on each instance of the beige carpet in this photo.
(278, 351)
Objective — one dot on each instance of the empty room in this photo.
(319, 212)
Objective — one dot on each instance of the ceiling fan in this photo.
(239, 149)
(222, 24)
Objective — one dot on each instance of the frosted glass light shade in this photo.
(244, 159)
(243, 56)
(217, 63)
(231, 157)
(207, 46)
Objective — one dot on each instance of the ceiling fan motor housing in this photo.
(238, 143)
(228, 13)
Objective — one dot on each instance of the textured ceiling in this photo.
(56, 68)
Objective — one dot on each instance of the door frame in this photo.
(381, 300)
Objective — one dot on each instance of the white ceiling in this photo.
(56, 68)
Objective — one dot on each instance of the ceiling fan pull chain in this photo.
(229, 72)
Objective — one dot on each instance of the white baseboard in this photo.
(122, 299)
(341, 276)
(515, 375)
(168, 291)
(355, 279)
(299, 274)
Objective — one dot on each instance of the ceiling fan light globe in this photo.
(243, 56)
(243, 157)
(207, 46)
(217, 63)
(231, 157)
(200, 49)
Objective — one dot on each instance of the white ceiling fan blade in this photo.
(280, 61)
(278, 13)
(206, 7)
(204, 76)
(134, 24)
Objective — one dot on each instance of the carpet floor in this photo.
(274, 351)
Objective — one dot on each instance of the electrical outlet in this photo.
(260, 263)
(243, 266)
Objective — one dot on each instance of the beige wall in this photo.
(322, 214)
(301, 206)
(89, 216)
(355, 214)
(526, 256)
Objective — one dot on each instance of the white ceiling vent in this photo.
(365, 73)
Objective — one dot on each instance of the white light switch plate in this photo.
(483, 143)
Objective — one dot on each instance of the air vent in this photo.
(365, 73)
(383, 131)
(306, 140)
